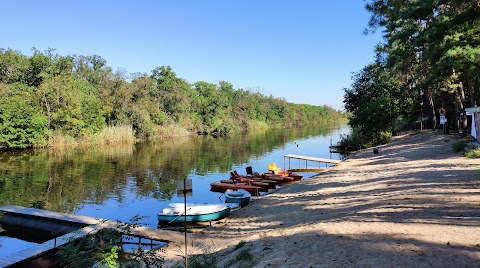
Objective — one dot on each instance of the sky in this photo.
(304, 51)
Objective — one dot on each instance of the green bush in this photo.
(22, 123)
(473, 153)
(459, 146)
(358, 140)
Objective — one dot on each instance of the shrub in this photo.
(358, 140)
(22, 124)
(459, 146)
(209, 258)
(103, 248)
(473, 153)
(244, 256)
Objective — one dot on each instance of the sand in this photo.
(415, 204)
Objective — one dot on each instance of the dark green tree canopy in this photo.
(46, 95)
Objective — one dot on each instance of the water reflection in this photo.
(122, 181)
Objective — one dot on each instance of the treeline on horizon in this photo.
(47, 99)
(429, 62)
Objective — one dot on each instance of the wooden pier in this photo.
(307, 159)
(83, 225)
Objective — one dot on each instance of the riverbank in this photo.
(416, 203)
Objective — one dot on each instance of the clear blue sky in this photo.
(303, 51)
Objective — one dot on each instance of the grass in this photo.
(60, 140)
(245, 257)
(108, 136)
(169, 131)
(113, 135)
(239, 245)
(208, 258)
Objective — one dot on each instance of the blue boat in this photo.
(195, 213)
(240, 196)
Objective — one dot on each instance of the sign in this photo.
(184, 187)
(442, 120)
(184, 194)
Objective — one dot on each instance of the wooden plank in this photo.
(315, 159)
(50, 214)
(161, 235)
(93, 225)
(308, 170)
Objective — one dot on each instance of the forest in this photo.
(427, 65)
(47, 99)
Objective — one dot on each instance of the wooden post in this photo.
(184, 189)
(185, 214)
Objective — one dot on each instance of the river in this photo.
(120, 182)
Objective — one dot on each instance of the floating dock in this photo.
(301, 158)
(69, 226)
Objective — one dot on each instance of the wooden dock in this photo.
(301, 158)
(32, 217)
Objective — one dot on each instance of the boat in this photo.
(288, 173)
(239, 196)
(194, 212)
(233, 206)
(273, 169)
(221, 187)
(264, 185)
(279, 177)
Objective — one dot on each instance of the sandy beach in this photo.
(415, 204)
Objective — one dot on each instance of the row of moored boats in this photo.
(238, 191)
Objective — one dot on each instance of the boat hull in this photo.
(241, 197)
(221, 187)
(171, 216)
(241, 201)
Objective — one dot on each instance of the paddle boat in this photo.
(221, 187)
(273, 169)
(194, 212)
(240, 196)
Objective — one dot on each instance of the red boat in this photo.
(254, 190)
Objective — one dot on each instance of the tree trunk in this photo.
(471, 90)
(461, 95)
(47, 106)
(430, 108)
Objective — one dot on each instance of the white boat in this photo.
(194, 212)
(240, 196)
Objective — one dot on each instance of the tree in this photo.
(71, 106)
(22, 123)
(432, 46)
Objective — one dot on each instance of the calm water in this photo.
(123, 181)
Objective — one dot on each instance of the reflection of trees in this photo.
(62, 180)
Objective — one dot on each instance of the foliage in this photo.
(244, 256)
(475, 153)
(22, 123)
(459, 146)
(113, 135)
(358, 140)
(103, 248)
(70, 98)
(208, 258)
(428, 60)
